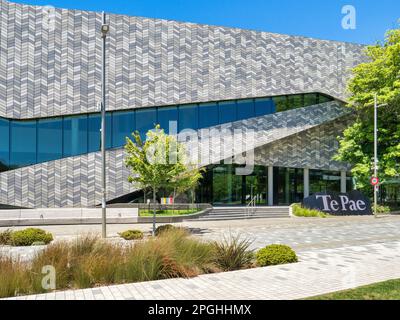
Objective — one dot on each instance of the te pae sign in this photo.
(352, 203)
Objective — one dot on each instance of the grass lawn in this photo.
(388, 290)
(167, 213)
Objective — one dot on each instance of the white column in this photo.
(343, 181)
(270, 186)
(306, 182)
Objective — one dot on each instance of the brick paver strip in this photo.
(318, 272)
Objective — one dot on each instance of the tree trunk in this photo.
(154, 212)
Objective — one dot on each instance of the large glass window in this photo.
(123, 124)
(188, 117)
(323, 98)
(310, 99)
(50, 139)
(23, 143)
(256, 186)
(295, 101)
(227, 112)
(94, 134)
(167, 114)
(81, 134)
(281, 103)
(245, 109)
(264, 106)
(4, 144)
(324, 181)
(208, 115)
(146, 119)
(288, 185)
(227, 186)
(75, 135)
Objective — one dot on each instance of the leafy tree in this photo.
(380, 75)
(160, 162)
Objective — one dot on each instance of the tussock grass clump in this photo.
(5, 237)
(232, 253)
(13, 277)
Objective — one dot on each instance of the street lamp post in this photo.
(375, 153)
(376, 187)
(104, 30)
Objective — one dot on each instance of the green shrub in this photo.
(131, 235)
(381, 209)
(299, 211)
(29, 236)
(233, 253)
(5, 237)
(275, 254)
(166, 227)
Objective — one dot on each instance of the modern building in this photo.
(288, 90)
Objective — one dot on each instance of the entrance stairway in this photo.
(237, 213)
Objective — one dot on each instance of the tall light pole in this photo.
(375, 153)
(104, 30)
(376, 187)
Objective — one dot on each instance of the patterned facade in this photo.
(50, 65)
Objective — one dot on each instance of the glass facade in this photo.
(94, 132)
(288, 102)
(288, 185)
(24, 143)
(221, 186)
(49, 139)
(4, 144)
(123, 126)
(188, 117)
(75, 138)
(146, 119)
(323, 181)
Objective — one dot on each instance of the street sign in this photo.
(374, 181)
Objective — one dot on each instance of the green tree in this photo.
(380, 75)
(159, 162)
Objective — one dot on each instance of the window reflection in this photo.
(245, 109)
(4, 144)
(49, 139)
(23, 143)
(208, 115)
(146, 119)
(123, 124)
(188, 117)
(75, 135)
(165, 115)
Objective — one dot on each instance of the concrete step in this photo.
(241, 217)
(238, 213)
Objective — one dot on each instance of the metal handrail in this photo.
(250, 208)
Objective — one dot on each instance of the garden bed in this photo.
(90, 262)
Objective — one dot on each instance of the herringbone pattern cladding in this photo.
(50, 65)
(53, 67)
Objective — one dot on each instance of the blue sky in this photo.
(312, 18)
